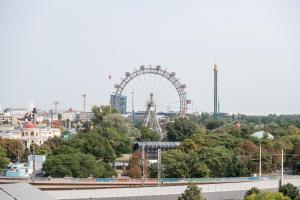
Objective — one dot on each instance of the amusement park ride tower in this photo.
(215, 91)
(150, 120)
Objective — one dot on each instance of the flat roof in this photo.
(22, 191)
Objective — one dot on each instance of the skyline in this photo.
(47, 57)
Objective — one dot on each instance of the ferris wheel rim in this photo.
(171, 77)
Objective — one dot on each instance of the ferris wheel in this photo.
(154, 87)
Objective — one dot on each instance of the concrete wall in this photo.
(222, 191)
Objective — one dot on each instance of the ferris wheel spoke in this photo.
(170, 94)
(148, 80)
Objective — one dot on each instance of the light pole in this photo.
(132, 110)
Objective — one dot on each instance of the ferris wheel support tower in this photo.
(150, 120)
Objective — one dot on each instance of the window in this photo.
(32, 133)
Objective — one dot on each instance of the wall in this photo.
(223, 191)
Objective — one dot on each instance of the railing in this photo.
(163, 180)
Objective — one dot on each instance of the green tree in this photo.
(179, 164)
(181, 129)
(95, 144)
(290, 191)
(120, 142)
(174, 163)
(3, 159)
(253, 190)
(267, 196)
(76, 165)
(100, 112)
(192, 192)
(237, 168)
(13, 148)
(148, 135)
(43, 149)
(218, 159)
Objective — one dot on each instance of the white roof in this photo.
(261, 134)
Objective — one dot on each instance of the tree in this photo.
(54, 142)
(253, 190)
(290, 191)
(76, 165)
(13, 148)
(100, 112)
(192, 192)
(3, 159)
(118, 140)
(181, 129)
(95, 144)
(217, 159)
(43, 149)
(267, 196)
(175, 165)
(237, 168)
(134, 169)
(148, 135)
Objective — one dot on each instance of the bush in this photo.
(290, 191)
(192, 192)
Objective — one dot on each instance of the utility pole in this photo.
(259, 160)
(132, 108)
(33, 160)
(281, 167)
(84, 108)
(158, 166)
(143, 164)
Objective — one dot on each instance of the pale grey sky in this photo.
(60, 49)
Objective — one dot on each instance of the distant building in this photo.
(119, 102)
(71, 115)
(6, 128)
(9, 135)
(19, 113)
(5, 118)
(88, 115)
(31, 134)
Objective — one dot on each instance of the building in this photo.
(25, 170)
(19, 113)
(18, 170)
(6, 128)
(31, 134)
(6, 118)
(86, 116)
(119, 102)
(39, 160)
(152, 147)
(10, 135)
(71, 115)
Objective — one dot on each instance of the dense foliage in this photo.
(267, 196)
(91, 152)
(192, 192)
(3, 159)
(290, 191)
(229, 150)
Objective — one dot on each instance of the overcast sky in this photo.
(57, 50)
